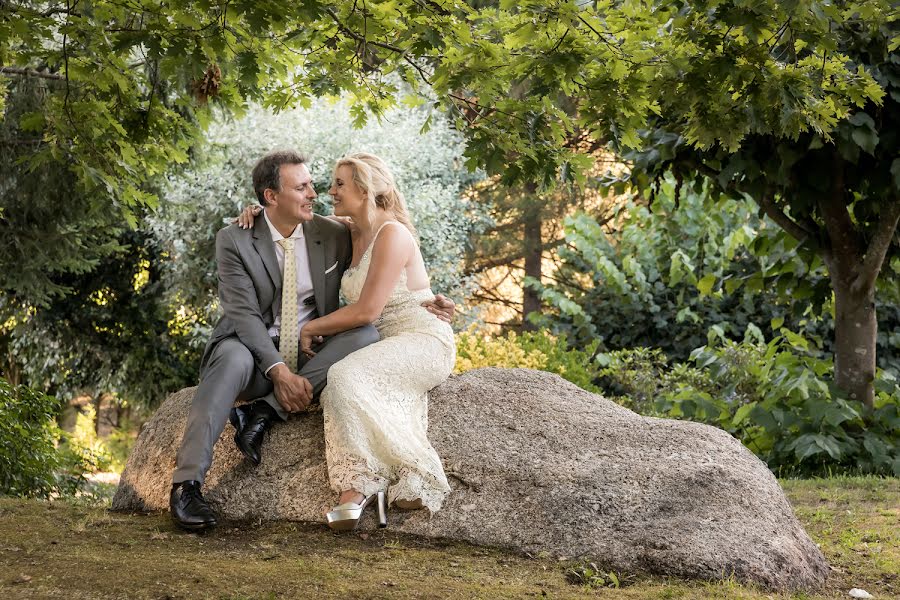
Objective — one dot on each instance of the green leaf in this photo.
(731, 285)
(706, 283)
(742, 413)
(865, 138)
(806, 446)
(794, 339)
(829, 445)
(835, 416)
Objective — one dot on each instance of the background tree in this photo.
(723, 72)
(47, 225)
(527, 226)
(837, 193)
(113, 332)
(536, 85)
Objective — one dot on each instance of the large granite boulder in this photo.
(536, 464)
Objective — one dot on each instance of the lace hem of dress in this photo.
(410, 484)
(356, 475)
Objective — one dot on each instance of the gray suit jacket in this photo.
(250, 282)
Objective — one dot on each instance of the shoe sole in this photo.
(196, 527)
(347, 525)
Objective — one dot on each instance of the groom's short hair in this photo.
(267, 172)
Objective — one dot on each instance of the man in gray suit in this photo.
(242, 359)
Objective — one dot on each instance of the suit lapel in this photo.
(262, 241)
(315, 250)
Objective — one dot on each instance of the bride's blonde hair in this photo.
(374, 178)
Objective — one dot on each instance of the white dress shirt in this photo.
(304, 278)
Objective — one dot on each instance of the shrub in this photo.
(31, 464)
(28, 434)
(530, 350)
(84, 441)
(776, 397)
(661, 275)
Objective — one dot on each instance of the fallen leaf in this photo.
(364, 536)
(22, 579)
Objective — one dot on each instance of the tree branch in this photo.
(509, 259)
(421, 71)
(498, 300)
(361, 38)
(31, 73)
(775, 213)
(877, 249)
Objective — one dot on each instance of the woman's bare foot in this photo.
(409, 504)
(351, 496)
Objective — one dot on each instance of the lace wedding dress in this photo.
(376, 402)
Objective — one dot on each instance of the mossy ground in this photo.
(69, 550)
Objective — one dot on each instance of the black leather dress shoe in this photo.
(188, 507)
(251, 422)
(238, 418)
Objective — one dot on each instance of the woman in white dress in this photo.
(375, 404)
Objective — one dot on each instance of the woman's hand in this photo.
(307, 340)
(442, 307)
(247, 216)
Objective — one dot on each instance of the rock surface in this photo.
(536, 464)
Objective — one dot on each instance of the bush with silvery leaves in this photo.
(197, 202)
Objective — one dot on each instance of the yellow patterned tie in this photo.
(290, 337)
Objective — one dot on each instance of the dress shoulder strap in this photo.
(383, 226)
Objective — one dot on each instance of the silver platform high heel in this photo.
(345, 517)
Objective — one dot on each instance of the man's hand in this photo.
(293, 392)
(442, 307)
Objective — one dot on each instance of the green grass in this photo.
(73, 550)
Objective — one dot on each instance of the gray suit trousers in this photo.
(230, 375)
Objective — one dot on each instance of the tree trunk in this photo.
(531, 300)
(853, 269)
(854, 262)
(855, 333)
(97, 400)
